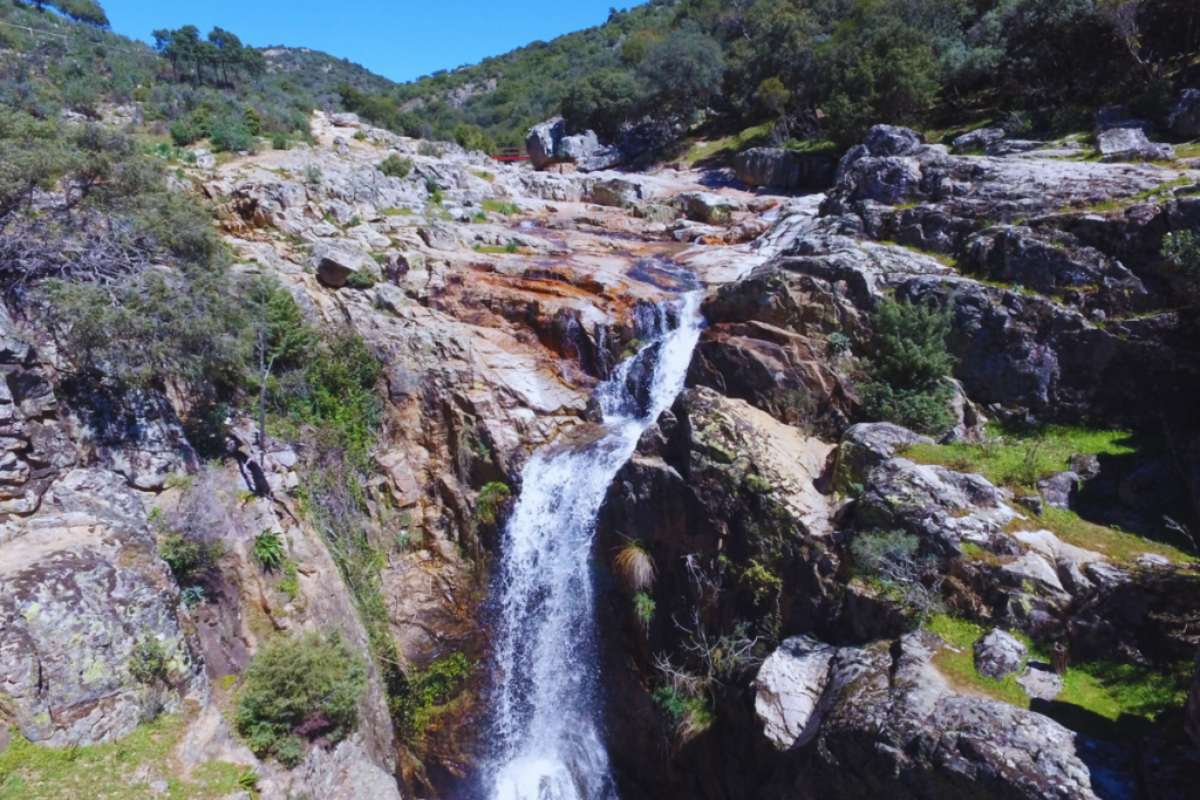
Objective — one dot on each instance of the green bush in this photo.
(643, 608)
(268, 551)
(297, 688)
(187, 558)
(431, 689)
(230, 134)
(148, 663)
(1182, 250)
(909, 367)
(492, 498)
(185, 132)
(396, 167)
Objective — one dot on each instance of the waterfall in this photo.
(546, 729)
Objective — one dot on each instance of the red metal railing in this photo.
(510, 154)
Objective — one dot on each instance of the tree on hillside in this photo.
(602, 102)
(684, 71)
(86, 11)
(909, 367)
(218, 60)
(876, 68)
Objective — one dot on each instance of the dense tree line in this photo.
(219, 60)
(822, 67)
(87, 11)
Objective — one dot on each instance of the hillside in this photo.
(51, 64)
(820, 68)
(343, 464)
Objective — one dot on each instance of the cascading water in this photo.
(546, 729)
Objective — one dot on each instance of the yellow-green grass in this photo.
(120, 770)
(1160, 192)
(941, 258)
(957, 661)
(502, 207)
(1120, 546)
(726, 146)
(1020, 460)
(1094, 693)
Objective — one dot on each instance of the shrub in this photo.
(230, 134)
(268, 551)
(148, 663)
(1182, 250)
(635, 566)
(279, 141)
(909, 367)
(396, 167)
(492, 499)
(186, 557)
(643, 608)
(297, 688)
(891, 559)
(430, 689)
(691, 713)
(185, 132)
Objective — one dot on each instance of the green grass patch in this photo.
(120, 770)
(432, 693)
(1020, 460)
(941, 258)
(1160, 192)
(398, 212)
(1095, 694)
(726, 146)
(503, 207)
(957, 661)
(1120, 546)
(815, 147)
(1188, 150)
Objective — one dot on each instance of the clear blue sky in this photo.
(401, 39)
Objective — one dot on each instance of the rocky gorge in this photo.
(743, 645)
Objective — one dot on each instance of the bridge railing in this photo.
(510, 154)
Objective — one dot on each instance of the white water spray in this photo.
(546, 730)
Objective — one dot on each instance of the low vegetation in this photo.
(432, 692)
(114, 770)
(1018, 459)
(892, 562)
(395, 166)
(908, 368)
(1095, 694)
(297, 689)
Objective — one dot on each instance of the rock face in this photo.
(1131, 144)
(789, 688)
(943, 507)
(1051, 262)
(978, 141)
(892, 727)
(337, 262)
(784, 170)
(548, 143)
(1184, 120)
(999, 654)
(82, 593)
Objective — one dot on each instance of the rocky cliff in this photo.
(762, 658)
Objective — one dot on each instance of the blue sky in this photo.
(402, 39)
